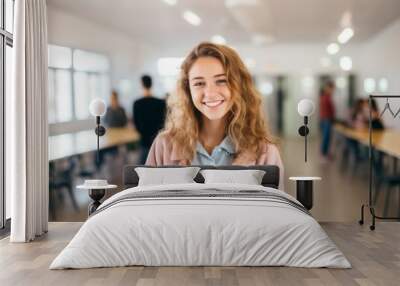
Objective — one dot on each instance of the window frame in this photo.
(6, 39)
(72, 70)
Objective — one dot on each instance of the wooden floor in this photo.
(375, 257)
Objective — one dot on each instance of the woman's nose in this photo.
(210, 89)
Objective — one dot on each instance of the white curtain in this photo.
(28, 133)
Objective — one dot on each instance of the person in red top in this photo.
(327, 116)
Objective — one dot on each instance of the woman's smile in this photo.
(213, 103)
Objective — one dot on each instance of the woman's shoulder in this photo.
(165, 152)
(269, 154)
(164, 143)
(159, 151)
(268, 147)
(163, 139)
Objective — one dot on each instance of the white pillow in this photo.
(164, 176)
(249, 177)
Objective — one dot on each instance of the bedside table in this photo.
(96, 193)
(304, 190)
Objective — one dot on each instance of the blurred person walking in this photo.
(327, 116)
(115, 118)
(148, 116)
(115, 114)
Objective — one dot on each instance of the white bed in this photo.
(249, 225)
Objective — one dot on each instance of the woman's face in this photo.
(209, 88)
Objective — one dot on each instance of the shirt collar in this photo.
(226, 144)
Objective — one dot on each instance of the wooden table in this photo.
(387, 141)
(71, 144)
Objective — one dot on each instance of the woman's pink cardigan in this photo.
(162, 152)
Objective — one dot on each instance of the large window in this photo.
(168, 70)
(6, 43)
(75, 78)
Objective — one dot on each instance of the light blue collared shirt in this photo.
(221, 155)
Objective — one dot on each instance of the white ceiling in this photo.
(287, 21)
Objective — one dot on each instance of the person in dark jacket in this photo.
(115, 114)
(148, 116)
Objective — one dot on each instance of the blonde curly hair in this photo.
(246, 124)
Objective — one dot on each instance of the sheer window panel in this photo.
(82, 95)
(9, 11)
(52, 100)
(99, 86)
(63, 97)
(91, 62)
(90, 80)
(60, 57)
(169, 83)
(94, 86)
(105, 87)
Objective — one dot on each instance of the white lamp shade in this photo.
(305, 107)
(97, 107)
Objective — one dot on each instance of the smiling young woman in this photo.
(215, 116)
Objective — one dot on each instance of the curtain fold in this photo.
(28, 157)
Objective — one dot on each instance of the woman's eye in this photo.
(221, 81)
(199, 83)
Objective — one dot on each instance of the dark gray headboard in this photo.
(270, 179)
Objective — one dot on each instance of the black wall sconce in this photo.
(97, 108)
(305, 108)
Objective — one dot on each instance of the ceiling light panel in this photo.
(218, 39)
(236, 3)
(191, 17)
(170, 2)
(346, 63)
(345, 35)
(332, 49)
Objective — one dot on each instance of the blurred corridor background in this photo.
(292, 48)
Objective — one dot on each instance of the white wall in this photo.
(380, 58)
